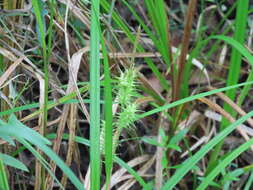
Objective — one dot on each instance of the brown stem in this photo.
(185, 44)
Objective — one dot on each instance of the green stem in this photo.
(234, 72)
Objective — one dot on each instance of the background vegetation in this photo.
(141, 94)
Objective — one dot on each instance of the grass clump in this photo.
(131, 94)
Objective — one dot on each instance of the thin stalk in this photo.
(185, 45)
(71, 143)
(181, 66)
(40, 173)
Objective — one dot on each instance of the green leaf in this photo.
(151, 141)
(108, 117)
(27, 133)
(216, 170)
(191, 162)
(178, 137)
(7, 139)
(95, 96)
(10, 161)
(190, 98)
(175, 147)
(23, 134)
(164, 160)
(3, 177)
(233, 176)
(115, 158)
(212, 183)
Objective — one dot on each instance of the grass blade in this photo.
(10, 161)
(23, 134)
(117, 19)
(190, 163)
(190, 98)
(236, 57)
(40, 175)
(3, 177)
(115, 158)
(95, 97)
(108, 118)
(226, 161)
(240, 48)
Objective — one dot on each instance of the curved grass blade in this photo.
(132, 172)
(38, 156)
(190, 98)
(226, 161)
(22, 133)
(115, 158)
(190, 163)
(117, 19)
(243, 51)
(234, 71)
(65, 99)
(10, 161)
(249, 182)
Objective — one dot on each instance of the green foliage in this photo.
(26, 136)
(173, 142)
(115, 159)
(190, 98)
(125, 97)
(122, 93)
(107, 129)
(189, 163)
(95, 96)
(10, 161)
(3, 178)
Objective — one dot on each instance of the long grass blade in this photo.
(222, 165)
(190, 163)
(24, 134)
(108, 118)
(95, 97)
(190, 98)
(234, 68)
(118, 20)
(116, 159)
(40, 175)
